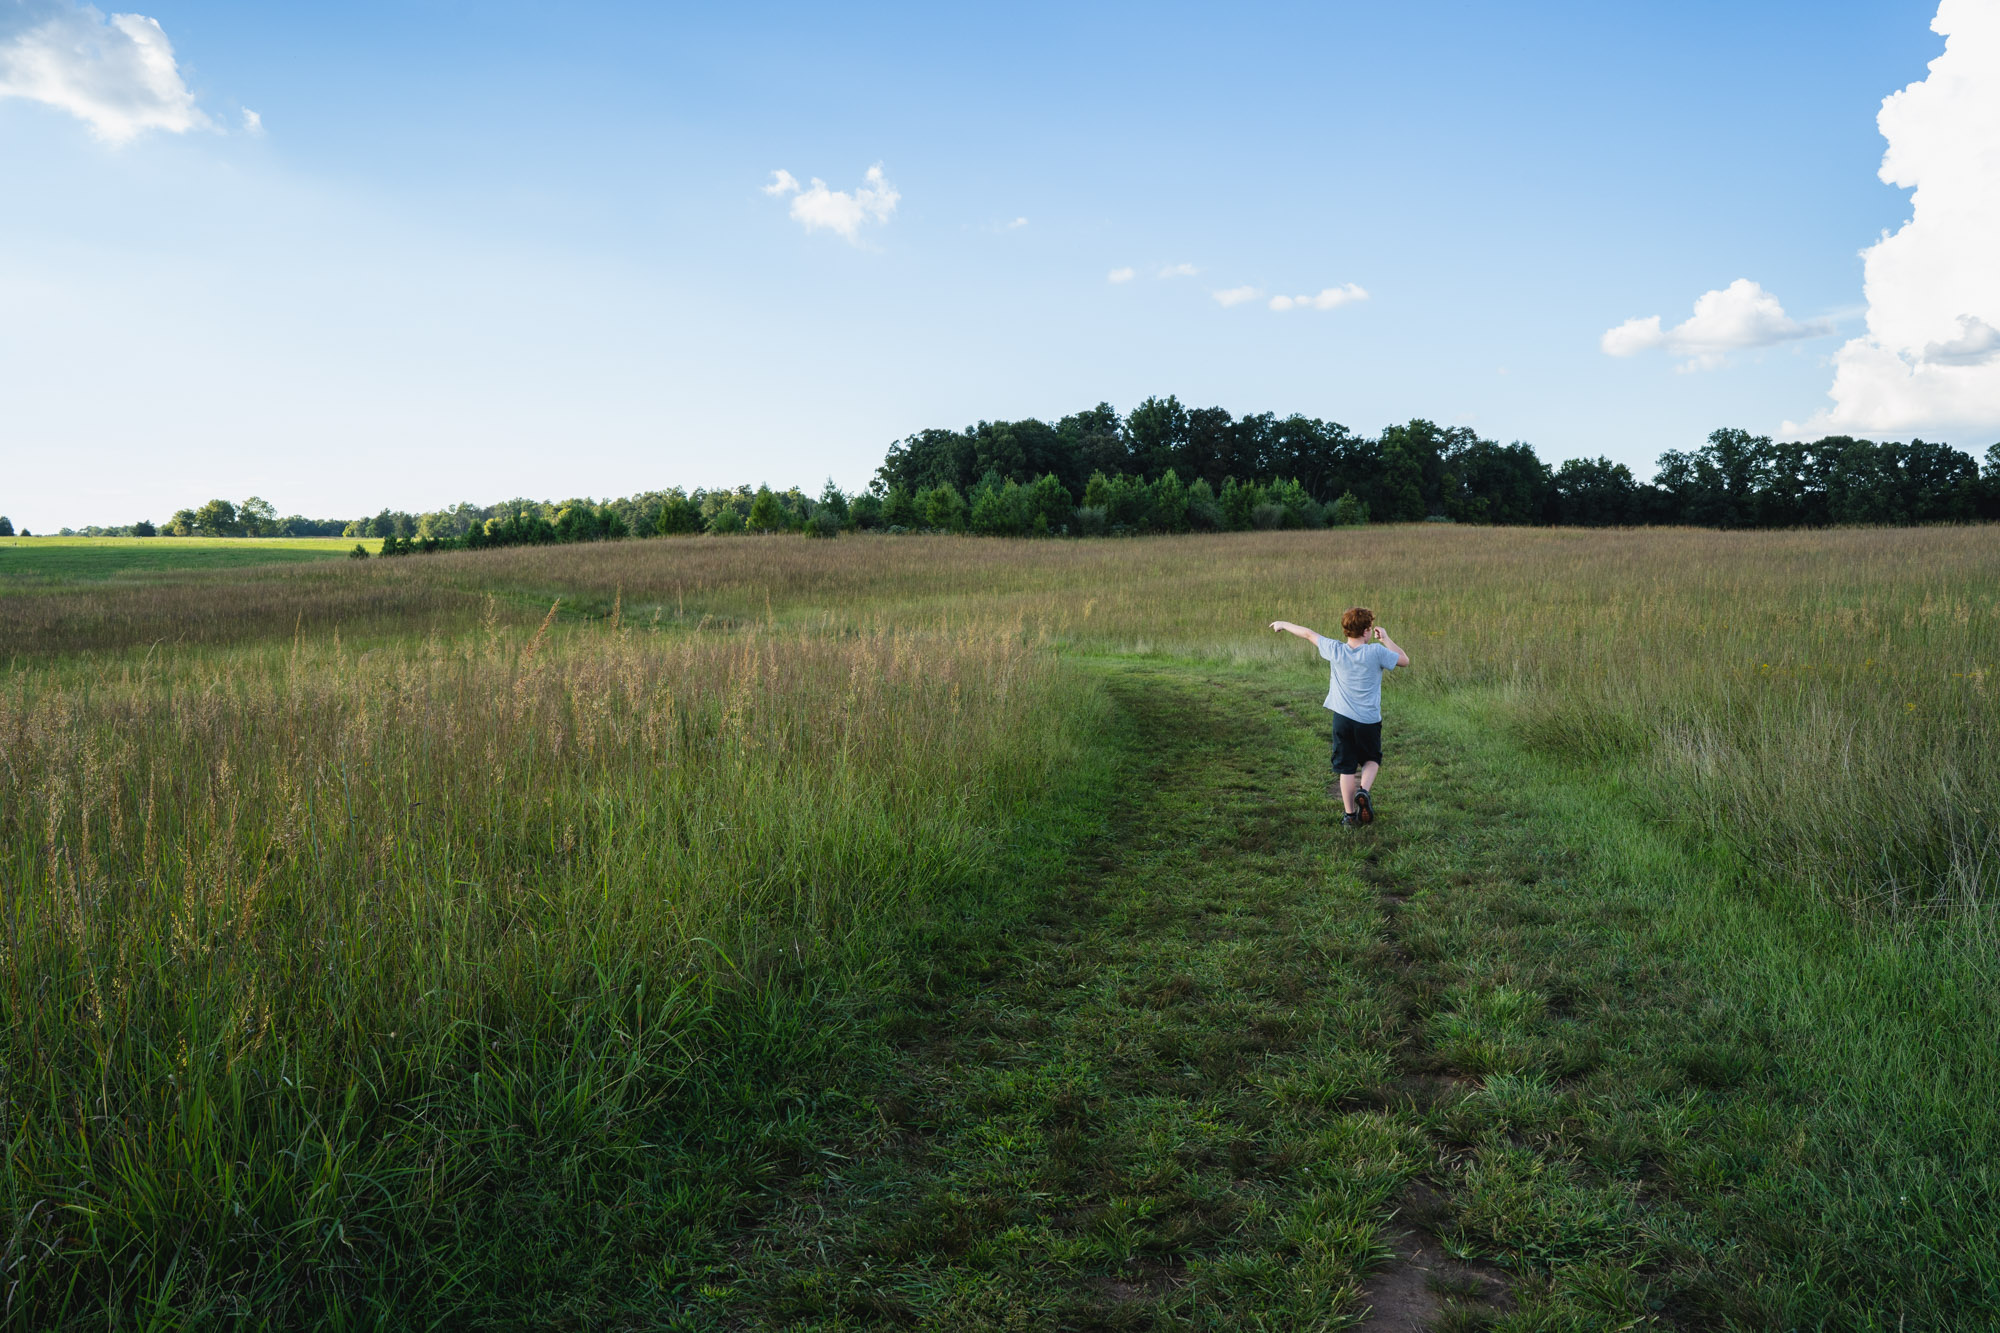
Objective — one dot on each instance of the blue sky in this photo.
(473, 252)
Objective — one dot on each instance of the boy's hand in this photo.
(1377, 634)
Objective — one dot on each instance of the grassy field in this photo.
(757, 932)
(52, 560)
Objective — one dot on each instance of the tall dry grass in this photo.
(1822, 700)
(315, 959)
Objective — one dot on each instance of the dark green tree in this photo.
(1054, 508)
(1156, 435)
(676, 516)
(257, 518)
(899, 508)
(766, 513)
(941, 508)
(217, 518)
(1348, 512)
(1169, 503)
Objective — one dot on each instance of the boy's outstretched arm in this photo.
(1287, 627)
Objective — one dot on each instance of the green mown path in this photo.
(1244, 1068)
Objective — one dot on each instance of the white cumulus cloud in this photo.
(116, 74)
(1728, 319)
(1930, 359)
(1179, 271)
(1328, 298)
(1237, 295)
(1119, 275)
(815, 207)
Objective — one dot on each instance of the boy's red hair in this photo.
(1355, 621)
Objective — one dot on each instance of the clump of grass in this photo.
(455, 968)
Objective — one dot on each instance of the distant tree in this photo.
(1411, 486)
(725, 520)
(676, 516)
(1092, 441)
(864, 511)
(184, 523)
(359, 552)
(580, 521)
(1156, 434)
(1348, 512)
(257, 517)
(1238, 501)
(1170, 503)
(1487, 482)
(766, 513)
(6, 526)
(928, 459)
(1204, 511)
(1594, 493)
(1003, 508)
(1052, 506)
(942, 507)
(830, 498)
(824, 523)
(899, 508)
(1300, 509)
(217, 518)
(143, 528)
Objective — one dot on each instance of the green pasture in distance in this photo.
(61, 559)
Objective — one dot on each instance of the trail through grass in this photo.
(1490, 1063)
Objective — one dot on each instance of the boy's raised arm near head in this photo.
(1287, 627)
(1381, 636)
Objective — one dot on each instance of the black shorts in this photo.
(1355, 743)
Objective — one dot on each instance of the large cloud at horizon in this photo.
(1930, 360)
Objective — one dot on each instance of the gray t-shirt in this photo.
(1356, 691)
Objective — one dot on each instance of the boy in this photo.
(1355, 697)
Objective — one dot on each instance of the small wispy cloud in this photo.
(1728, 319)
(1179, 271)
(118, 74)
(1327, 298)
(1119, 275)
(1237, 295)
(1017, 223)
(815, 207)
(252, 122)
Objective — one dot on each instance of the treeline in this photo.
(1169, 468)
(1420, 470)
(254, 517)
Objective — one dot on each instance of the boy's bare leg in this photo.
(1366, 779)
(1349, 784)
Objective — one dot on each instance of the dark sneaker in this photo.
(1350, 820)
(1364, 809)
